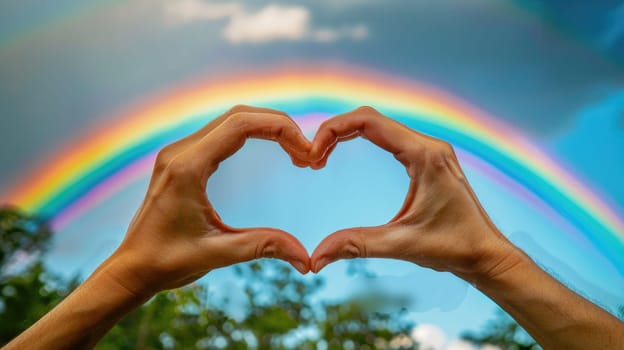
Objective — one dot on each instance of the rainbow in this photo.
(108, 159)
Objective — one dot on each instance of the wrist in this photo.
(494, 262)
(124, 273)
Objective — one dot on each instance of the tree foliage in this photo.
(503, 332)
(279, 315)
(23, 236)
(27, 290)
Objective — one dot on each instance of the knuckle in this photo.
(163, 158)
(440, 153)
(238, 120)
(268, 248)
(281, 131)
(326, 123)
(238, 109)
(353, 246)
(367, 110)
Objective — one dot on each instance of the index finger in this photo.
(183, 143)
(386, 133)
(223, 141)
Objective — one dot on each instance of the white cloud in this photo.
(460, 345)
(490, 347)
(432, 337)
(270, 23)
(401, 341)
(429, 337)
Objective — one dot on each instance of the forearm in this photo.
(555, 316)
(82, 318)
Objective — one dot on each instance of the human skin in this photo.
(442, 226)
(176, 236)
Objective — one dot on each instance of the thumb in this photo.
(360, 242)
(255, 243)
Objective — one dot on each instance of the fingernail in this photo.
(320, 264)
(300, 266)
(314, 153)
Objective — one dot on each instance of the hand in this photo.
(441, 224)
(176, 236)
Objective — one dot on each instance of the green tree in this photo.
(504, 332)
(23, 237)
(174, 319)
(279, 310)
(27, 290)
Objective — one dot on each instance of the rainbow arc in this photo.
(106, 160)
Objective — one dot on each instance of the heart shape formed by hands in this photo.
(176, 236)
(441, 224)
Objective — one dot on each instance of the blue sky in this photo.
(552, 69)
